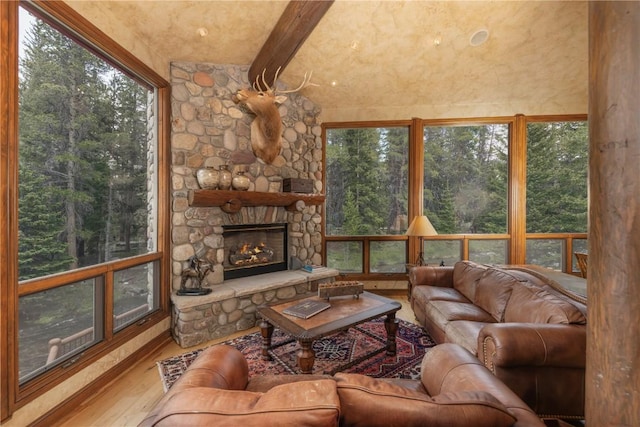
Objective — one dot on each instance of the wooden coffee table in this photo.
(344, 313)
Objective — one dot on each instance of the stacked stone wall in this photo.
(209, 129)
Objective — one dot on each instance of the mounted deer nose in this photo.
(240, 96)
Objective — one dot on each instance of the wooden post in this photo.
(613, 346)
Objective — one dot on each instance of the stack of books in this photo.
(310, 268)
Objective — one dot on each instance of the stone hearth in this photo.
(231, 306)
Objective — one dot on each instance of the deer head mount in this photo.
(266, 128)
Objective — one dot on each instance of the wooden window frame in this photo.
(12, 395)
(516, 188)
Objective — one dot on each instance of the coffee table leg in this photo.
(266, 329)
(306, 356)
(391, 326)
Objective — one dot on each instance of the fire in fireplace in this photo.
(254, 249)
(250, 253)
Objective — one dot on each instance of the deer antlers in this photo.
(306, 81)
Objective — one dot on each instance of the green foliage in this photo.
(367, 172)
(557, 164)
(40, 227)
(83, 134)
(465, 184)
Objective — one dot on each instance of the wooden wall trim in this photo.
(416, 182)
(8, 200)
(517, 203)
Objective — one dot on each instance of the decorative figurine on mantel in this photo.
(194, 274)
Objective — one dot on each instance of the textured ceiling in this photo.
(378, 59)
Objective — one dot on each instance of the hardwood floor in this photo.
(128, 399)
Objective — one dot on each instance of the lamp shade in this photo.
(421, 226)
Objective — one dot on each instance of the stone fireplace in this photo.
(252, 249)
(209, 130)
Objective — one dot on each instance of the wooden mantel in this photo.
(232, 201)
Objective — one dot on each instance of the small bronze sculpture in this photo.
(194, 274)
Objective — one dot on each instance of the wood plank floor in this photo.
(128, 399)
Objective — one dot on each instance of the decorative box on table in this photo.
(337, 289)
(297, 185)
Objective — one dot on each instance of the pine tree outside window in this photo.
(465, 191)
(557, 203)
(367, 195)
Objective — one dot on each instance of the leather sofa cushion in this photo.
(264, 383)
(442, 312)
(493, 292)
(305, 403)
(423, 294)
(465, 333)
(466, 275)
(372, 402)
(530, 304)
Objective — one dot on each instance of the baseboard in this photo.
(67, 407)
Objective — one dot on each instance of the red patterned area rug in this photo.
(357, 350)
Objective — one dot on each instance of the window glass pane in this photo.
(84, 139)
(488, 251)
(437, 252)
(134, 294)
(547, 253)
(465, 178)
(388, 257)
(557, 164)
(345, 256)
(367, 172)
(579, 245)
(54, 325)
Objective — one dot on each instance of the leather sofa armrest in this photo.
(431, 276)
(532, 344)
(449, 368)
(219, 366)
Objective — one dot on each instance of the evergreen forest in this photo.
(82, 157)
(465, 179)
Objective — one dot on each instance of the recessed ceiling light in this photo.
(202, 31)
(437, 39)
(334, 83)
(479, 37)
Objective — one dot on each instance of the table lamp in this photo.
(421, 227)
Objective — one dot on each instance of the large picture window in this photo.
(84, 253)
(557, 165)
(465, 178)
(496, 190)
(367, 195)
(465, 190)
(84, 193)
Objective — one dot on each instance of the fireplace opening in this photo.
(252, 249)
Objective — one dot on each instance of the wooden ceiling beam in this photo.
(292, 29)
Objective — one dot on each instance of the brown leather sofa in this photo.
(454, 390)
(520, 324)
